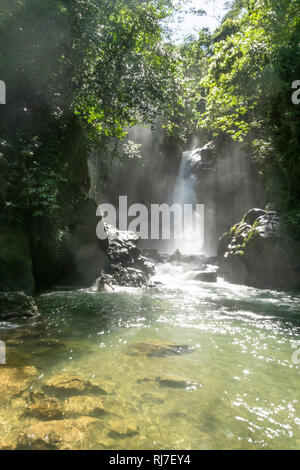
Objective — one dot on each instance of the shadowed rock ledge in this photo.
(257, 252)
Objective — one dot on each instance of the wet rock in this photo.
(16, 305)
(171, 382)
(84, 405)
(119, 407)
(207, 276)
(71, 385)
(157, 349)
(130, 277)
(152, 398)
(67, 434)
(14, 380)
(176, 256)
(253, 215)
(260, 255)
(7, 445)
(44, 407)
(127, 266)
(121, 429)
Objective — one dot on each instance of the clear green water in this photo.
(242, 387)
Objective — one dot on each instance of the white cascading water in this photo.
(192, 239)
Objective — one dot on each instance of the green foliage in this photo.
(77, 73)
(249, 67)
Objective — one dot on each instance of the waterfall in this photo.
(185, 193)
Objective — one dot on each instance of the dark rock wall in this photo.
(258, 253)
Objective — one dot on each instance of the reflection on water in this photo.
(232, 386)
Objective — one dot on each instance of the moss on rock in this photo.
(257, 252)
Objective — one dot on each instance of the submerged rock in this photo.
(157, 349)
(84, 405)
(258, 253)
(172, 382)
(169, 382)
(44, 407)
(67, 434)
(7, 445)
(17, 305)
(14, 380)
(121, 429)
(207, 276)
(72, 385)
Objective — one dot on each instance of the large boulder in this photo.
(16, 305)
(126, 264)
(16, 272)
(257, 252)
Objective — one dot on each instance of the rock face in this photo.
(82, 254)
(126, 264)
(256, 252)
(16, 305)
(16, 271)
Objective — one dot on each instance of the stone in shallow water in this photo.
(7, 445)
(120, 429)
(68, 434)
(70, 385)
(14, 380)
(17, 305)
(120, 407)
(157, 349)
(172, 382)
(84, 405)
(44, 407)
(207, 276)
(152, 398)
